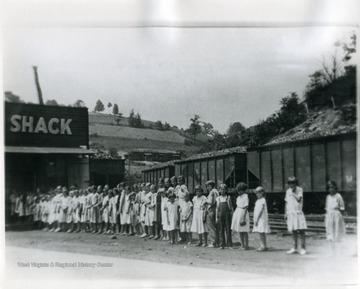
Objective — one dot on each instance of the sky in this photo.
(170, 60)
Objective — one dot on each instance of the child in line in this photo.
(131, 214)
(294, 215)
(198, 223)
(164, 200)
(186, 211)
(261, 219)
(45, 207)
(334, 221)
(172, 216)
(150, 210)
(241, 221)
(158, 211)
(69, 213)
(224, 211)
(104, 212)
(137, 204)
(37, 213)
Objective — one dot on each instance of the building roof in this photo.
(212, 154)
(160, 166)
(153, 151)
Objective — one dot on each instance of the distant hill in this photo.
(105, 134)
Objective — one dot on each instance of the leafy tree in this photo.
(10, 97)
(119, 118)
(135, 120)
(99, 106)
(109, 106)
(115, 109)
(138, 121)
(167, 126)
(195, 127)
(335, 82)
(159, 125)
(131, 119)
(207, 128)
(235, 134)
(79, 103)
(51, 102)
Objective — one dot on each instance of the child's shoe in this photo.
(57, 230)
(143, 235)
(302, 252)
(291, 251)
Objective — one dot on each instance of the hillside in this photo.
(322, 123)
(128, 144)
(135, 133)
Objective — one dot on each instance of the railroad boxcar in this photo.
(226, 166)
(313, 162)
(163, 170)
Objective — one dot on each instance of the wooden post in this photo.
(38, 88)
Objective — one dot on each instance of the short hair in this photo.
(260, 189)
(223, 187)
(331, 183)
(293, 180)
(241, 186)
(198, 188)
(173, 178)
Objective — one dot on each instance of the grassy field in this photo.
(135, 133)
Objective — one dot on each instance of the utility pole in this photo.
(38, 88)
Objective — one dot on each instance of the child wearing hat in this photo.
(294, 215)
(261, 219)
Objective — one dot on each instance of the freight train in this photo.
(312, 161)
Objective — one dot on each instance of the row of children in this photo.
(166, 212)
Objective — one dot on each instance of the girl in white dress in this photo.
(198, 223)
(186, 219)
(172, 216)
(241, 221)
(334, 222)
(164, 200)
(261, 219)
(294, 215)
(149, 210)
(104, 211)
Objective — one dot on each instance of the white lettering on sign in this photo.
(27, 124)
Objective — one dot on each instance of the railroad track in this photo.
(315, 223)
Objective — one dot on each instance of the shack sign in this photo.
(45, 126)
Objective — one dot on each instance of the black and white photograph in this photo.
(180, 144)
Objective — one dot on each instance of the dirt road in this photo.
(137, 259)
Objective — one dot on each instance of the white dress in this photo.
(241, 214)
(334, 222)
(294, 214)
(172, 215)
(263, 220)
(185, 226)
(164, 221)
(105, 211)
(149, 212)
(198, 225)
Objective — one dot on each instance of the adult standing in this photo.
(211, 213)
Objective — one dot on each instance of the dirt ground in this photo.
(320, 262)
